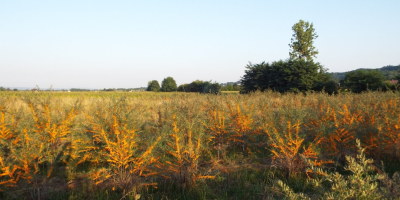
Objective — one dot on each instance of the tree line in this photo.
(169, 85)
(363, 80)
(389, 72)
(299, 73)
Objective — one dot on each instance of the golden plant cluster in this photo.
(131, 142)
(25, 149)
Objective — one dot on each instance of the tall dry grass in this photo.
(157, 144)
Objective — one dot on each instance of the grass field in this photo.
(143, 145)
(230, 92)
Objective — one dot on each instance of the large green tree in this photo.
(168, 85)
(302, 41)
(363, 80)
(284, 76)
(299, 73)
(153, 86)
(255, 77)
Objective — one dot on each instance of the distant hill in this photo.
(389, 72)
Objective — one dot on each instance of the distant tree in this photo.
(235, 87)
(183, 88)
(328, 86)
(326, 82)
(79, 90)
(168, 85)
(397, 76)
(195, 86)
(297, 74)
(302, 42)
(209, 87)
(15, 89)
(283, 76)
(201, 87)
(153, 86)
(255, 77)
(363, 80)
(2, 89)
(229, 88)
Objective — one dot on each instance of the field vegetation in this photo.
(148, 145)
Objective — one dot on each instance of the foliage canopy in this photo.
(283, 76)
(153, 86)
(200, 86)
(168, 85)
(363, 80)
(302, 42)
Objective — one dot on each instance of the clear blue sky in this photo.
(98, 44)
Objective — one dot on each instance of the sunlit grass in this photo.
(230, 92)
(185, 145)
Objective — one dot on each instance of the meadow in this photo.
(144, 145)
